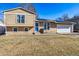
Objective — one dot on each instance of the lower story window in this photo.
(48, 27)
(15, 29)
(26, 29)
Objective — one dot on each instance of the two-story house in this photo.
(21, 19)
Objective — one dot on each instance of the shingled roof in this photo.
(18, 8)
(24, 6)
(45, 20)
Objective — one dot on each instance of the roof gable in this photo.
(17, 9)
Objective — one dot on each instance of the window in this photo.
(45, 26)
(15, 29)
(26, 29)
(20, 18)
(48, 27)
(23, 18)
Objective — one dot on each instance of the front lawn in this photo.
(45, 45)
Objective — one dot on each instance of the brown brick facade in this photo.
(53, 25)
(19, 28)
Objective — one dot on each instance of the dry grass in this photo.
(42, 45)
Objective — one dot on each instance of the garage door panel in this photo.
(63, 29)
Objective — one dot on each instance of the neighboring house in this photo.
(2, 28)
(75, 19)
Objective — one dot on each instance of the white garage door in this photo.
(63, 29)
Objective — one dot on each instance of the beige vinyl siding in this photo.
(11, 18)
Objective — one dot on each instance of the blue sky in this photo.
(48, 10)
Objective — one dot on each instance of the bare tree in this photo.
(28, 6)
(65, 17)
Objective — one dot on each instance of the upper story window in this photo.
(21, 18)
